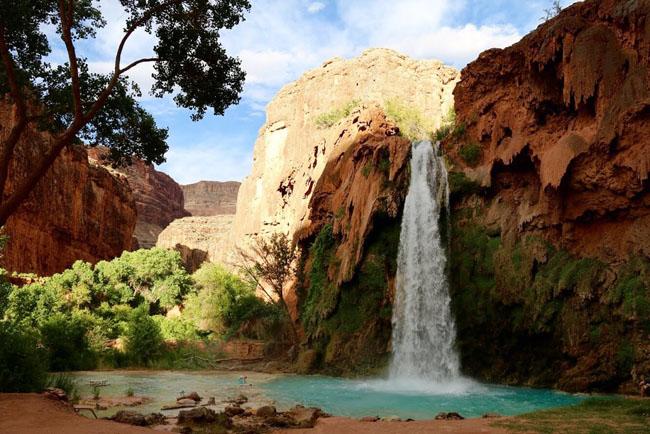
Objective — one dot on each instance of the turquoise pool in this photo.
(338, 396)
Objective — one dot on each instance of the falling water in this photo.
(423, 328)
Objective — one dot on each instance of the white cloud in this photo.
(315, 7)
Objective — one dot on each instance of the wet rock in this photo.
(211, 401)
(369, 419)
(304, 417)
(56, 394)
(234, 410)
(266, 411)
(129, 418)
(239, 400)
(449, 416)
(155, 419)
(197, 415)
(193, 396)
(280, 421)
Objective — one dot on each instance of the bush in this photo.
(23, 364)
(143, 338)
(329, 119)
(64, 382)
(65, 338)
(224, 301)
(470, 153)
(410, 121)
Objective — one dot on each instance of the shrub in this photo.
(224, 301)
(23, 365)
(329, 119)
(470, 153)
(410, 121)
(461, 185)
(64, 382)
(65, 338)
(143, 338)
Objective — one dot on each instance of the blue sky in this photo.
(281, 39)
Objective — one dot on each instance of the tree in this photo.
(143, 339)
(76, 105)
(553, 11)
(271, 264)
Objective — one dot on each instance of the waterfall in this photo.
(423, 327)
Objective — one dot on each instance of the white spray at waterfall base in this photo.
(424, 357)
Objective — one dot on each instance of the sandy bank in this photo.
(26, 413)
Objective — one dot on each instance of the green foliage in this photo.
(129, 392)
(447, 127)
(224, 302)
(97, 391)
(176, 328)
(189, 355)
(411, 123)
(460, 185)
(143, 338)
(64, 382)
(186, 55)
(66, 339)
(329, 119)
(23, 364)
(470, 153)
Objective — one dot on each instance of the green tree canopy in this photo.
(77, 104)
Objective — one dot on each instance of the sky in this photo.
(281, 39)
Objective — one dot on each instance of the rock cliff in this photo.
(206, 198)
(344, 295)
(199, 239)
(303, 126)
(551, 241)
(158, 198)
(77, 211)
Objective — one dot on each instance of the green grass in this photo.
(331, 118)
(594, 415)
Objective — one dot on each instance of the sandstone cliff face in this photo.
(303, 125)
(346, 288)
(158, 198)
(552, 212)
(199, 239)
(77, 211)
(206, 198)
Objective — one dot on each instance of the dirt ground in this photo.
(341, 425)
(25, 413)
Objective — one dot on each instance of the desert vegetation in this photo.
(141, 309)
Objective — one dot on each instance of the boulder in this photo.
(266, 411)
(129, 418)
(193, 396)
(449, 416)
(56, 394)
(304, 417)
(197, 415)
(233, 410)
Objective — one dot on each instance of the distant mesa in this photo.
(206, 198)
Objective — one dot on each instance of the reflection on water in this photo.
(343, 397)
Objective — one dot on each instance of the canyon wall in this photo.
(551, 226)
(206, 198)
(77, 211)
(303, 126)
(158, 198)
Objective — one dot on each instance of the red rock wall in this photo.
(207, 198)
(562, 119)
(77, 211)
(158, 198)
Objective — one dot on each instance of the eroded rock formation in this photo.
(205, 198)
(77, 211)
(199, 239)
(303, 128)
(350, 247)
(158, 198)
(551, 243)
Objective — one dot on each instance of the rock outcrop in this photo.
(206, 198)
(551, 246)
(303, 125)
(77, 211)
(199, 239)
(158, 198)
(345, 295)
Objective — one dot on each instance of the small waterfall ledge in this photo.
(424, 332)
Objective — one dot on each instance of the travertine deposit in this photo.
(301, 133)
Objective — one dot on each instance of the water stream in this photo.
(423, 327)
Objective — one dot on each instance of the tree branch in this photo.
(66, 16)
(9, 145)
(137, 62)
